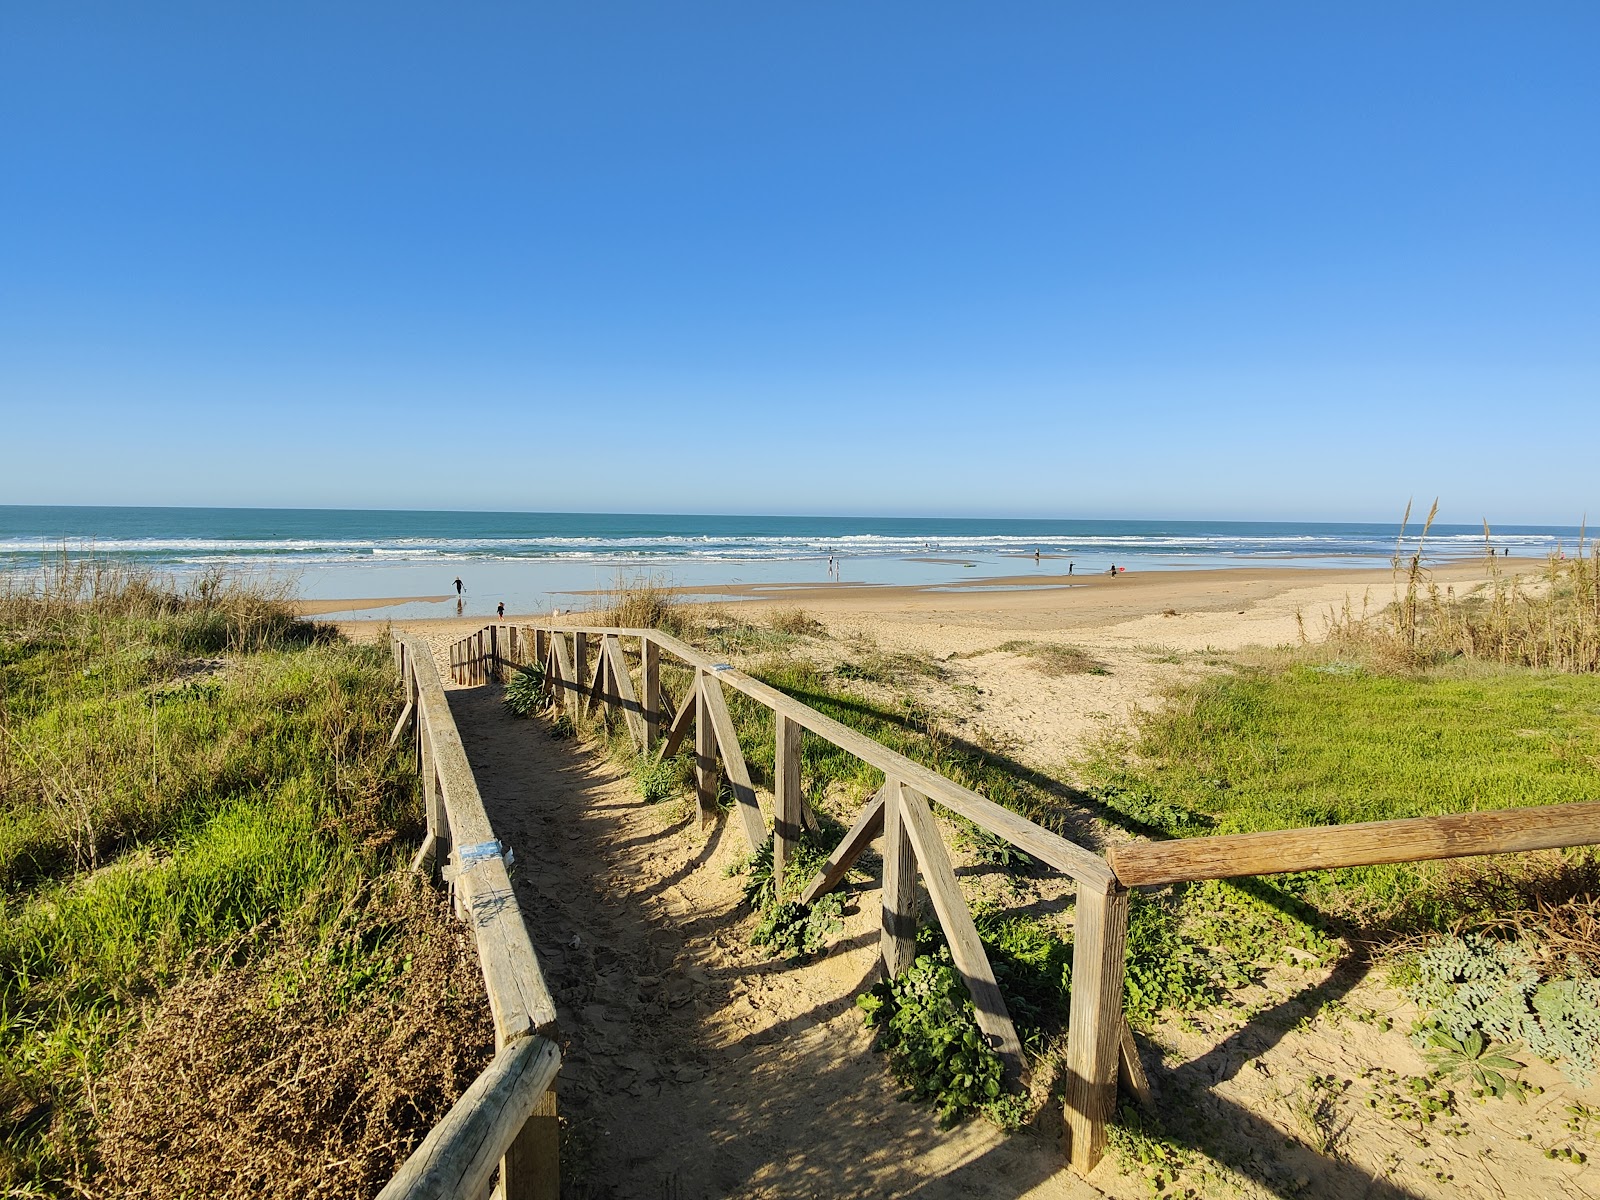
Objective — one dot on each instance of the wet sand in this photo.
(317, 608)
(1223, 607)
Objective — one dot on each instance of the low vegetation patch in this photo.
(927, 1027)
(381, 1022)
(1478, 992)
(526, 693)
(1551, 623)
(1053, 658)
(796, 622)
(797, 931)
(662, 779)
(191, 782)
(888, 668)
(1290, 744)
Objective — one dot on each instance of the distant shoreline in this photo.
(319, 608)
(1088, 597)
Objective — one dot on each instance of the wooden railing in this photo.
(1099, 1045)
(507, 1119)
(588, 672)
(1415, 839)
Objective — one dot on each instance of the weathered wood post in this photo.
(899, 937)
(433, 798)
(531, 1168)
(414, 699)
(786, 796)
(1094, 1029)
(650, 688)
(494, 653)
(605, 669)
(580, 666)
(574, 697)
(705, 751)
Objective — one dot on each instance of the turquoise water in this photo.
(535, 561)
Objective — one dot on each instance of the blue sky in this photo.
(1181, 260)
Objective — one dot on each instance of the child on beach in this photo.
(500, 610)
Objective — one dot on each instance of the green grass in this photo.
(1291, 744)
(180, 789)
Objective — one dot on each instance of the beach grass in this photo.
(190, 780)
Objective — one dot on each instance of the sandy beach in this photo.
(1148, 631)
(321, 608)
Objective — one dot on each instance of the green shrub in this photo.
(796, 930)
(661, 780)
(1033, 967)
(1163, 969)
(524, 695)
(805, 861)
(990, 849)
(927, 1026)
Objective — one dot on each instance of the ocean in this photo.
(531, 561)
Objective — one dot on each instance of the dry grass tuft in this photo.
(796, 621)
(1053, 658)
(296, 1076)
(1553, 624)
(645, 602)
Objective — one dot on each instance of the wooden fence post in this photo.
(580, 664)
(622, 691)
(899, 937)
(786, 796)
(726, 739)
(1094, 1030)
(531, 1168)
(571, 697)
(650, 688)
(433, 799)
(494, 653)
(705, 751)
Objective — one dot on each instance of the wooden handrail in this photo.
(461, 1153)
(1083, 865)
(1414, 839)
(518, 996)
(507, 1119)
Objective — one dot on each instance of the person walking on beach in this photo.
(458, 586)
(500, 610)
(1036, 554)
(1113, 568)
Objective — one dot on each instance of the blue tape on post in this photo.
(482, 852)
